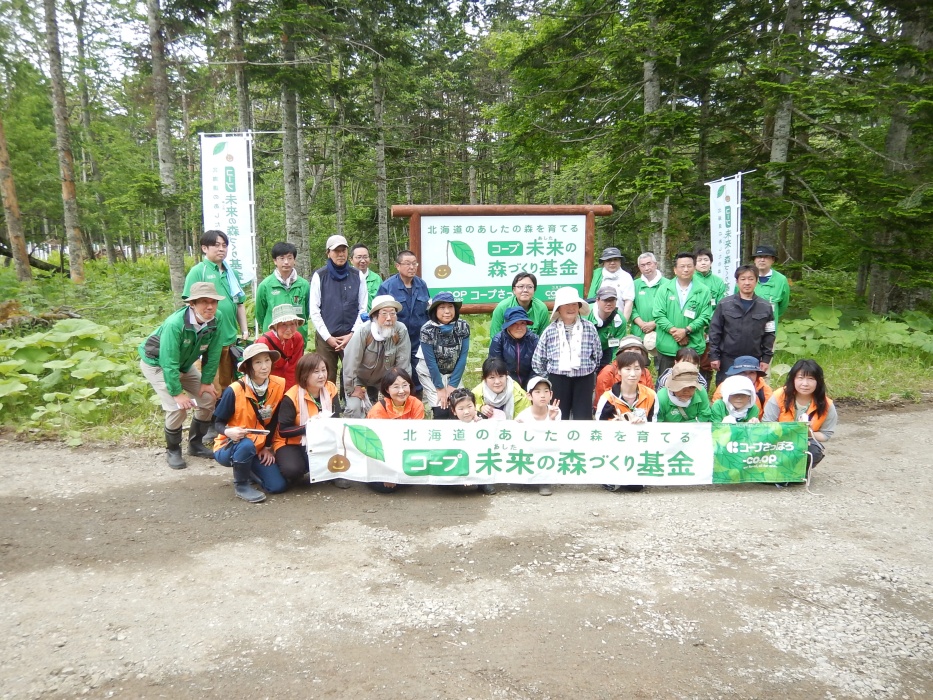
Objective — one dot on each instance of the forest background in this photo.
(372, 103)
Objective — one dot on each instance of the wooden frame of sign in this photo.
(414, 212)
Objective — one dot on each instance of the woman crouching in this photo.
(245, 417)
(312, 398)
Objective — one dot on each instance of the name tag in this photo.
(690, 313)
(770, 326)
(614, 342)
(204, 347)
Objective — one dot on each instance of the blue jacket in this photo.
(517, 354)
(414, 301)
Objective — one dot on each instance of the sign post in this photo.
(474, 251)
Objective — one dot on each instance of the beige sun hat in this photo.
(651, 341)
(203, 290)
(683, 374)
(569, 295)
(255, 349)
(383, 301)
(283, 313)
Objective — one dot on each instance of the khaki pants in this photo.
(225, 371)
(191, 383)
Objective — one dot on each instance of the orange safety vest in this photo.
(609, 375)
(292, 394)
(790, 416)
(645, 400)
(762, 394)
(412, 410)
(244, 413)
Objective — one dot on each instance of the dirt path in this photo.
(121, 578)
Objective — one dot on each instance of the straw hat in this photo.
(255, 349)
(283, 313)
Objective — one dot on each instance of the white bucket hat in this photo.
(651, 341)
(569, 295)
(383, 301)
(283, 313)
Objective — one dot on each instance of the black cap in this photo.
(763, 250)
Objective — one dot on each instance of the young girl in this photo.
(803, 398)
(284, 338)
(463, 406)
(445, 343)
(682, 400)
(498, 396)
(737, 404)
(748, 366)
(397, 404)
(568, 355)
(685, 354)
(312, 398)
(244, 417)
(542, 408)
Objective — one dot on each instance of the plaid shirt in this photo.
(547, 354)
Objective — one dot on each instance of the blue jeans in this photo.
(270, 478)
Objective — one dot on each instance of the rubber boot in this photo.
(241, 485)
(196, 432)
(173, 449)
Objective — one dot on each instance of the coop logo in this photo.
(732, 447)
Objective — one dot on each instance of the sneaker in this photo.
(488, 489)
(612, 487)
(544, 490)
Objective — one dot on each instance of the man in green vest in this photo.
(772, 285)
(646, 286)
(682, 309)
(231, 316)
(283, 286)
(360, 259)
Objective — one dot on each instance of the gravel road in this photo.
(122, 578)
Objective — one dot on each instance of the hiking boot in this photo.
(196, 433)
(488, 489)
(342, 483)
(173, 449)
(612, 487)
(544, 490)
(241, 485)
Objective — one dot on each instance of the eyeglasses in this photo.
(408, 263)
(387, 314)
(361, 257)
(523, 287)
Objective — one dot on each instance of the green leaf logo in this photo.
(219, 147)
(463, 252)
(722, 188)
(367, 442)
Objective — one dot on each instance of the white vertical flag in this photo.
(725, 231)
(227, 196)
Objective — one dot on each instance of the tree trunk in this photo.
(291, 180)
(244, 120)
(658, 211)
(63, 144)
(780, 141)
(340, 206)
(382, 195)
(174, 240)
(77, 13)
(14, 224)
(304, 200)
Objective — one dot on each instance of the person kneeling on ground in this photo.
(284, 338)
(397, 404)
(312, 398)
(167, 360)
(749, 367)
(609, 374)
(737, 404)
(803, 398)
(463, 407)
(245, 417)
(682, 400)
(499, 397)
(542, 408)
(628, 400)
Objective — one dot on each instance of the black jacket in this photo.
(734, 332)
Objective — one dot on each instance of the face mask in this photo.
(677, 401)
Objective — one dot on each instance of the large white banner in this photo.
(725, 207)
(227, 196)
(476, 256)
(565, 452)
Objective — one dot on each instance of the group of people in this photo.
(396, 352)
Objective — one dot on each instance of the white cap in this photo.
(335, 242)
